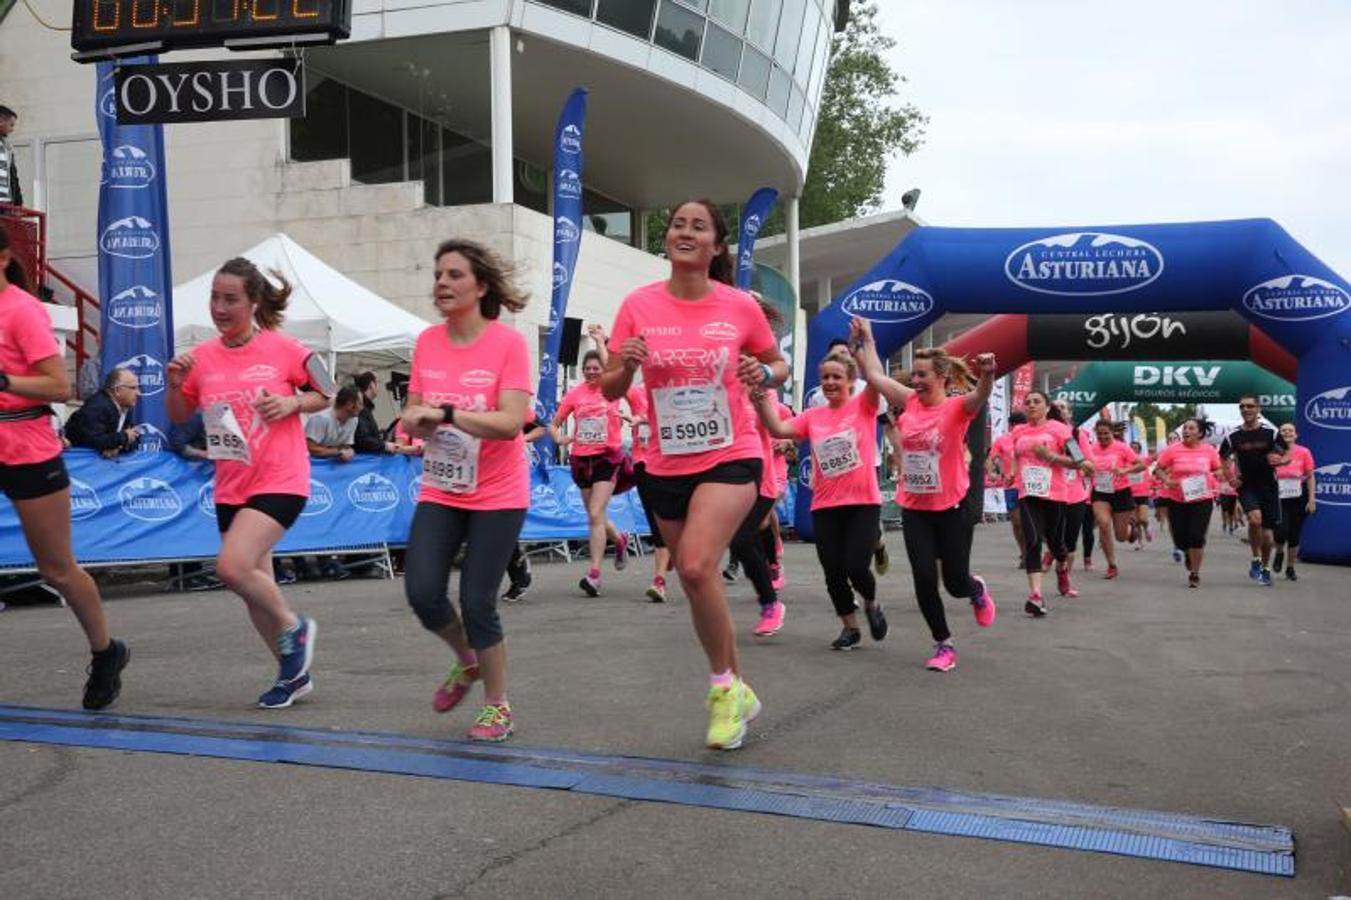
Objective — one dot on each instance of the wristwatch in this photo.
(448, 411)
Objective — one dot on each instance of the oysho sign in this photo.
(210, 90)
(1084, 264)
(1296, 298)
(888, 300)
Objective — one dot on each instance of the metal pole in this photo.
(499, 46)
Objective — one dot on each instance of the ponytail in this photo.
(951, 368)
(271, 299)
(14, 272)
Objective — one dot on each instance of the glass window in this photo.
(578, 7)
(607, 217)
(764, 22)
(754, 73)
(820, 61)
(424, 152)
(375, 138)
(679, 30)
(466, 170)
(696, 4)
(322, 134)
(796, 104)
(731, 13)
(779, 85)
(531, 186)
(790, 31)
(804, 51)
(722, 52)
(633, 16)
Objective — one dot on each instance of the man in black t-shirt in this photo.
(1251, 453)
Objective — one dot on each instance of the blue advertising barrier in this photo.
(150, 506)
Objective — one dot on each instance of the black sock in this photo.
(767, 542)
(108, 650)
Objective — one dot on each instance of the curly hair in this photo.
(490, 270)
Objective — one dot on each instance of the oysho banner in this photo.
(567, 198)
(753, 217)
(135, 282)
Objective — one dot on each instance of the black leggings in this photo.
(934, 536)
(1090, 531)
(1041, 522)
(1072, 525)
(435, 538)
(1292, 519)
(748, 549)
(1189, 523)
(845, 538)
(644, 487)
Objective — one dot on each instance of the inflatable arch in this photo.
(1251, 267)
(1200, 381)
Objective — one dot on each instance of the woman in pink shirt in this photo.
(1078, 492)
(1000, 463)
(846, 499)
(1188, 472)
(597, 454)
(1041, 459)
(698, 341)
(642, 438)
(1295, 485)
(469, 393)
(1114, 462)
(33, 474)
(252, 383)
(1139, 482)
(935, 412)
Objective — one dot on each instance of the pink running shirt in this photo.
(781, 459)
(264, 457)
(1116, 455)
(934, 473)
(598, 429)
(640, 434)
(699, 412)
(1138, 482)
(1190, 470)
(1002, 450)
(485, 474)
(1290, 477)
(843, 445)
(1036, 477)
(26, 339)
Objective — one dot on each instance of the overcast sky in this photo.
(1047, 112)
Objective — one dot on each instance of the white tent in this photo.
(328, 312)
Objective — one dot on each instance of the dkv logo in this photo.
(148, 371)
(131, 238)
(128, 168)
(1083, 398)
(888, 300)
(1330, 409)
(1296, 298)
(84, 500)
(1333, 484)
(1084, 264)
(136, 307)
(373, 493)
(320, 502)
(149, 499)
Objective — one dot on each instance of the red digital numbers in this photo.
(107, 14)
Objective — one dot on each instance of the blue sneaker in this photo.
(284, 693)
(296, 649)
(1264, 578)
(1255, 570)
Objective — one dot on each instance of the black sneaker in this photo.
(105, 675)
(849, 639)
(729, 574)
(1194, 580)
(1279, 562)
(1290, 574)
(881, 560)
(517, 591)
(519, 571)
(877, 621)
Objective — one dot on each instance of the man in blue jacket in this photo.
(104, 422)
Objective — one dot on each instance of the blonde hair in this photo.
(841, 355)
(953, 369)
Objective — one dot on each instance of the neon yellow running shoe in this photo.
(455, 687)
(730, 709)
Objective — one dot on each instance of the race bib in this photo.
(1036, 481)
(450, 461)
(592, 430)
(919, 472)
(1136, 477)
(1103, 481)
(837, 454)
(692, 418)
(1194, 488)
(1291, 488)
(224, 437)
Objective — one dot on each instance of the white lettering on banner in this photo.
(1083, 398)
(373, 493)
(560, 275)
(136, 307)
(570, 140)
(1101, 329)
(1176, 375)
(1296, 298)
(210, 91)
(1084, 264)
(129, 168)
(149, 373)
(321, 499)
(131, 238)
(108, 103)
(1333, 484)
(149, 499)
(568, 183)
(567, 232)
(84, 500)
(888, 300)
(206, 499)
(1330, 409)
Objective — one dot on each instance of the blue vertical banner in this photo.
(135, 283)
(567, 199)
(753, 217)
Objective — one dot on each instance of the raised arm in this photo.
(985, 364)
(870, 365)
(769, 416)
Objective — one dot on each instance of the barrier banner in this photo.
(135, 320)
(753, 216)
(567, 197)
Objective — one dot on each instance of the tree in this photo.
(858, 130)
(1173, 415)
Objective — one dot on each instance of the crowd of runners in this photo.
(690, 368)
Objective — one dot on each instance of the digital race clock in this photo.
(109, 27)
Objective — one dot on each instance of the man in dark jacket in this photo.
(104, 422)
(369, 438)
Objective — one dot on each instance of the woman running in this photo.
(1078, 497)
(1295, 484)
(1113, 507)
(698, 341)
(1161, 500)
(1041, 459)
(642, 440)
(252, 383)
(932, 428)
(1189, 471)
(1000, 464)
(1139, 483)
(469, 394)
(846, 498)
(33, 474)
(596, 457)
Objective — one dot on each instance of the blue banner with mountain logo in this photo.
(753, 217)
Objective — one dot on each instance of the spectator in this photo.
(369, 438)
(188, 440)
(330, 434)
(104, 422)
(10, 192)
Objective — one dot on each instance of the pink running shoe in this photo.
(493, 724)
(983, 606)
(779, 580)
(621, 552)
(456, 685)
(1035, 606)
(1062, 580)
(771, 619)
(943, 660)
